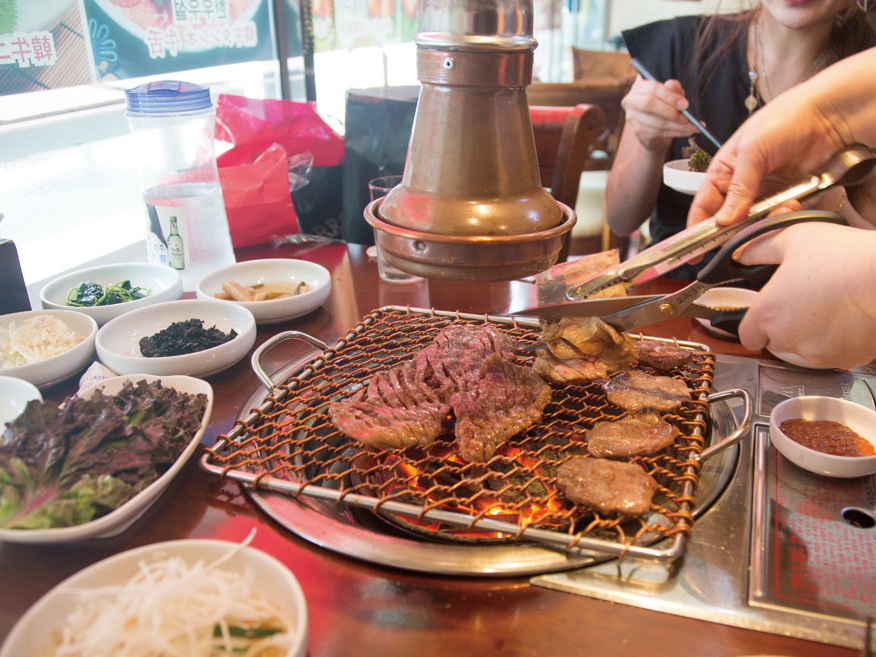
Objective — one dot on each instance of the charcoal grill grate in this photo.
(290, 445)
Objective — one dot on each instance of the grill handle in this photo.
(740, 432)
(263, 376)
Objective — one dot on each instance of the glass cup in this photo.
(378, 188)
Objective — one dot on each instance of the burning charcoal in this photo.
(608, 487)
(634, 390)
(634, 435)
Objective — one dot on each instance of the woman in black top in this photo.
(722, 68)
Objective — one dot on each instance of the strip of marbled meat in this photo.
(635, 390)
(634, 435)
(662, 355)
(606, 486)
(508, 399)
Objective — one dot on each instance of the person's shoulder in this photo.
(668, 29)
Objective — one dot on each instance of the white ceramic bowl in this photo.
(163, 283)
(678, 176)
(253, 272)
(61, 367)
(119, 519)
(14, 395)
(725, 297)
(118, 342)
(272, 579)
(856, 417)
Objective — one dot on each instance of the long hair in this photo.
(852, 32)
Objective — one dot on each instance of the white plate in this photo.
(725, 297)
(678, 176)
(794, 359)
(118, 342)
(14, 395)
(856, 417)
(272, 579)
(272, 270)
(119, 519)
(163, 283)
(58, 368)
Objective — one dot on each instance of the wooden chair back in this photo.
(610, 64)
(564, 142)
(606, 95)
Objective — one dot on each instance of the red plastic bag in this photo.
(258, 174)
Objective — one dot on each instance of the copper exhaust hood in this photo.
(471, 205)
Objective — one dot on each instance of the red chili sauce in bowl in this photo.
(827, 437)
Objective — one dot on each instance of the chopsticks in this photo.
(645, 73)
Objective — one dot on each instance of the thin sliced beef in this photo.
(608, 487)
(464, 370)
(635, 390)
(635, 435)
(508, 399)
(662, 355)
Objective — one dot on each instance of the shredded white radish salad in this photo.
(38, 338)
(172, 609)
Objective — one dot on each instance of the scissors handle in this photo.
(724, 269)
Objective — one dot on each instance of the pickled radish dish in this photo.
(827, 437)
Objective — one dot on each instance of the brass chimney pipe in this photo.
(471, 205)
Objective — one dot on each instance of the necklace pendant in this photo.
(751, 102)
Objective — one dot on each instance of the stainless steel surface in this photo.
(471, 193)
(645, 73)
(850, 166)
(742, 567)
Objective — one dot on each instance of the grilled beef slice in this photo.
(507, 400)
(662, 355)
(608, 487)
(634, 435)
(408, 404)
(582, 349)
(635, 390)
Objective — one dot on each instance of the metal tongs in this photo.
(850, 166)
(633, 312)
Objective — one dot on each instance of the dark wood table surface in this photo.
(360, 610)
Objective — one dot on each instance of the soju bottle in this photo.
(175, 252)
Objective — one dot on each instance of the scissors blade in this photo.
(587, 307)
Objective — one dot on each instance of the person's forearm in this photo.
(632, 186)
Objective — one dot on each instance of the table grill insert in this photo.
(289, 445)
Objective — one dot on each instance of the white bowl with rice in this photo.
(170, 591)
(46, 347)
(274, 289)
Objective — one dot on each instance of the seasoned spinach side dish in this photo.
(88, 294)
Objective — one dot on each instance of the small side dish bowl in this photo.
(62, 366)
(280, 271)
(14, 395)
(162, 282)
(118, 342)
(725, 298)
(678, 176)
(271, 581)
(858, 418)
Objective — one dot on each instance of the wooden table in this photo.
(360, 610)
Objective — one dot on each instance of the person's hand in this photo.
(653, 112)
(819, 304)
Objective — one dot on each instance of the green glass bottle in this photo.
(175, 252)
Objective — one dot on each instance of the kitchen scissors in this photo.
(633, 312)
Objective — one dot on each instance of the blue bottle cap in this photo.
(167, 97)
